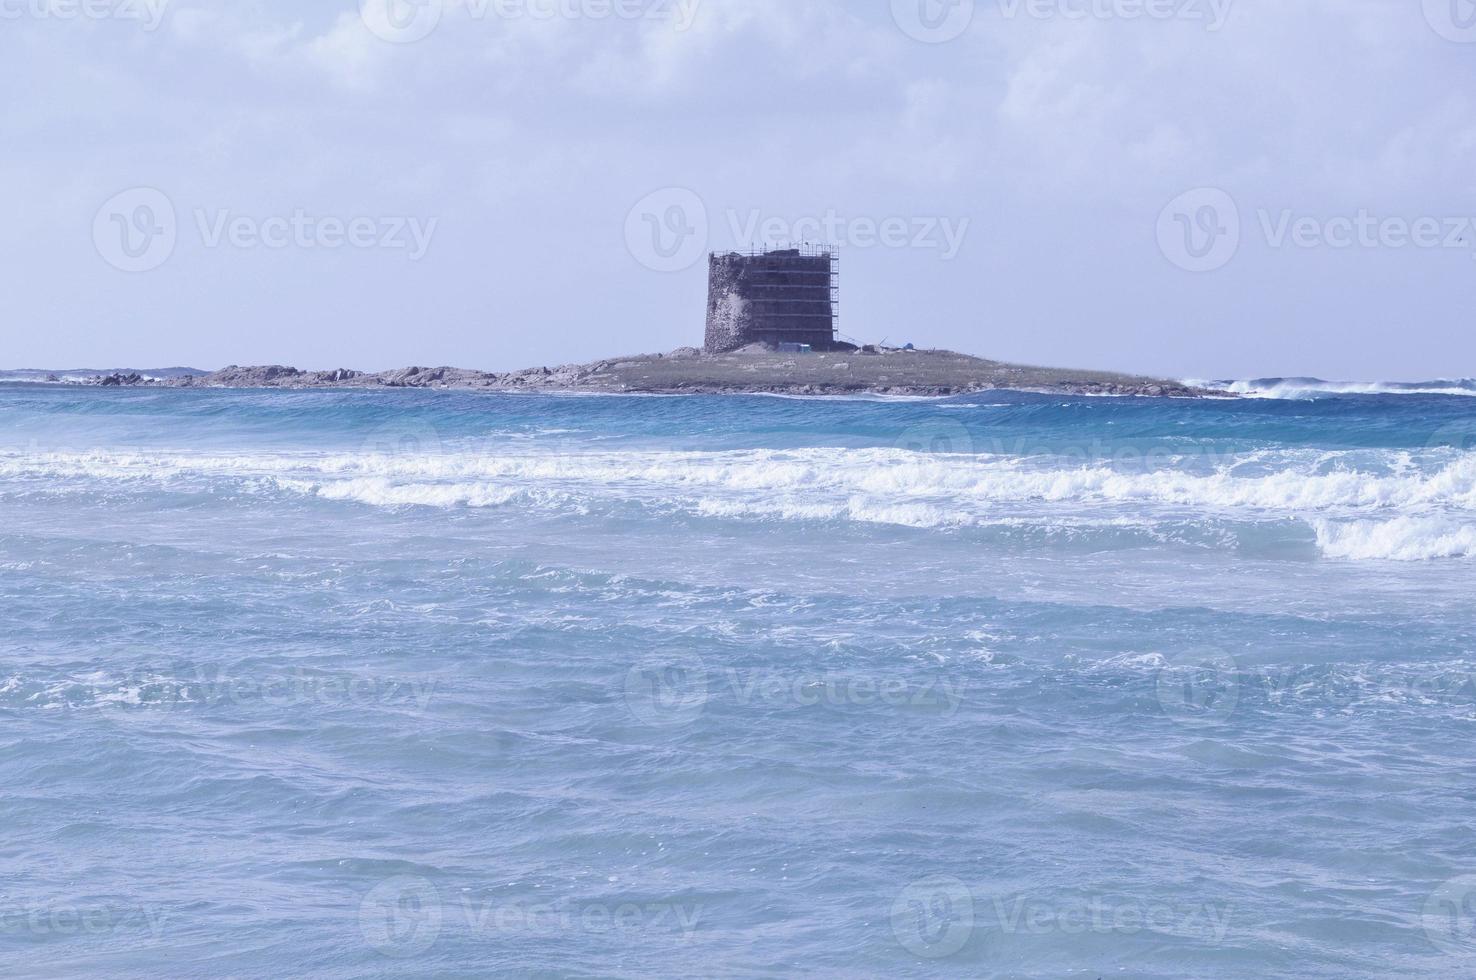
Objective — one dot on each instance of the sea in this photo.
(356, 683)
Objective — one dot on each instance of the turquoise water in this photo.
(435, 684)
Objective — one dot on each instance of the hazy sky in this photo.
(1198, 188)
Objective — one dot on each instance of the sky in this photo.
(1189, 188)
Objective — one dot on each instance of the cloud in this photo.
(544, 130)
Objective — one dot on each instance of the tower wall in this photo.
(776, 297)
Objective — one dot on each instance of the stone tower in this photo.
(776, 296)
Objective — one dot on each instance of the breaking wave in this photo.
(1400, 539)
(1306, 388)
(1405, 507)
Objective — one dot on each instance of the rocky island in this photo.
(755, 369)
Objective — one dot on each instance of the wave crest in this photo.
(1406, 507)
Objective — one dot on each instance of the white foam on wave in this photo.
(1290, 483)
(1301, 389)
(1401, 506)
(853, 509)
(381, 492)
(1400, 539)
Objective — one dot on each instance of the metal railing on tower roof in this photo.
(811, 250)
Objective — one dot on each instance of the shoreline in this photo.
(688, 371)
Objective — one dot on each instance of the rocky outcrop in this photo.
(263, 376)
(336, 377)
